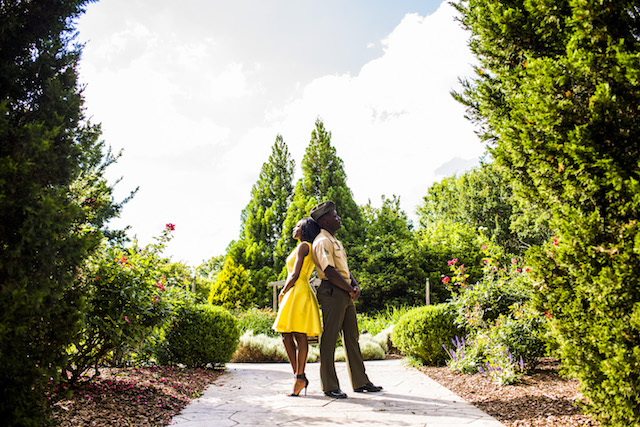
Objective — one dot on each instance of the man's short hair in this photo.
(323, 208)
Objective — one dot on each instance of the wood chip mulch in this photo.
(542, 398)
(148, 396)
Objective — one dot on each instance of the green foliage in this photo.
(263, 220)
(390, 271)
(422, 331)
(323, 178)
(443, 240)
(376, 322)
(505, 333)
(200, 335)
(556, 94)
(232, 288)
(131, 292)
(260, 321)
(483, 199)
(54, 200)
(500, 290)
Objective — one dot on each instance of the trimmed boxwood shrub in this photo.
(422, 331)
(202, 334)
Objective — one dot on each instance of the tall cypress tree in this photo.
(53, 198)
(558, 96)
(323, 179)
(262, 220)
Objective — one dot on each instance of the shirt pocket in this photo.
(338, 251)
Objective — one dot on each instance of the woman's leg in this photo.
(303, 351)
(290, 347)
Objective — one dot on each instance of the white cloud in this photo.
(197, 122)
(395, 122)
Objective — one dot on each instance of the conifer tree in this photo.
(323, 179)
(54, 199)
(262, 221)
(557, 95)
(232, 288)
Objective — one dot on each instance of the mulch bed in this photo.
(542, 398)
(149, 396)
(153, 396)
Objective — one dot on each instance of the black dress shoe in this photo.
(336, 394)
(370, 388)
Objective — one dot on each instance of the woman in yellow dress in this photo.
(299, 313)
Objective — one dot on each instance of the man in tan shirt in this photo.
(336, 294)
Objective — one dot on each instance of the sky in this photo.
(194, 94)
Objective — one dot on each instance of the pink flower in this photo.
(455, 260)
(514, 261)
(125, 318)
(158, 284)
(484, 247)
(445, 280)
(526, 270)
(485, 260)
(555, 241)
(170, 227)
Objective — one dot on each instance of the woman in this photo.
(299, 314)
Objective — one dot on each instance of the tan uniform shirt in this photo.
(328, 251)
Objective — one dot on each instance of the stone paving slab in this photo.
(255, 395)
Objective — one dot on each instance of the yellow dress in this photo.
(299, 310)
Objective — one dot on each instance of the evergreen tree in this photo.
(232, 288)
(391, 272)
(557, 96)
(262, 221)
(53, 198)
(323, 179)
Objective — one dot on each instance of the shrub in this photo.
(200, 335)
(520, 336)
(376, 322)
(130, 294)
(372, 348)
(232, 288)
(263, 348)
(422, 331)
(498, 291)
(260, 321)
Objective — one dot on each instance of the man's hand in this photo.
(355, 294)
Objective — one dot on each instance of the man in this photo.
(336, 294)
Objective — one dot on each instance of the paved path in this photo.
(255, 395)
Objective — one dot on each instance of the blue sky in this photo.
(195, 93)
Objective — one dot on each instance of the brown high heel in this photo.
(306, 383)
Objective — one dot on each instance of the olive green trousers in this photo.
(339, 317)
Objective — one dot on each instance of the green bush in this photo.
(498, 291)
(376, 322)
(232, 288)
(258, 320)
(130, 294)
(371, 347)
(200, 335)
(521, 336)
(422, 331)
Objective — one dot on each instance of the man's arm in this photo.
(336, 278)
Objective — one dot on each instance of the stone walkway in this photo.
(255, 395)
